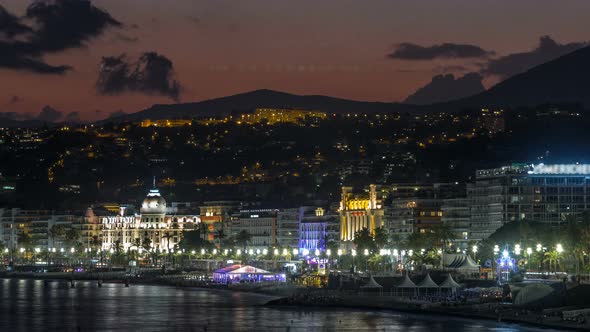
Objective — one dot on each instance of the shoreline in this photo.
(354, 301)
(443, 313)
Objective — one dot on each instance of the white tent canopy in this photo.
(449, 283)
(427, 282)
(372, 284)
(460, 262)
(406, 283)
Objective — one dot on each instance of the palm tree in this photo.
(57, 232)
(72, 236)
(363, 239)
(167, 236)
(96, 242)
(380, 237)
(136, 243)
(551, 258)
(243, 238)
(443, 234)
(220, 235)
(117, 247)
(146, 244)
(376, 261)
(25, 239)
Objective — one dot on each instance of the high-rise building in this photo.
(456, 214)
(541, 193)
(288, 227)
(261, 224)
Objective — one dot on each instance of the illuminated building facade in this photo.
(166, 123)
(217, 216)
(35, 226)
(288, 227)
(261, 224)
(317, 226)
(358, 211)
(541, 193)
(277, 115)
(156, 224)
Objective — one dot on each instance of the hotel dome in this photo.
(153, 203)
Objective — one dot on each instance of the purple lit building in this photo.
(316, 226)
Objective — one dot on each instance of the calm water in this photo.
(30, 305)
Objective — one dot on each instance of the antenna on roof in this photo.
(154, 183)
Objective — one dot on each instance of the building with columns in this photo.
(358, 211)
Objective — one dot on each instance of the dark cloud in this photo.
(10, 25)
(49, 27)
(63, 24)
(49, 114)
(410, 51)
(513, 64)
(445, 88)
(72, 117)
(150, 74)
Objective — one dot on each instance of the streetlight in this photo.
(353, 256)
(517, 249)
(559, 250)
(474, 250)
(317, 252)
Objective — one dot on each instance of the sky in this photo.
(191, 50)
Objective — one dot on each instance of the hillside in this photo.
(563, 80)
(264, 98)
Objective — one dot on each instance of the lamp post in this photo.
(496, 251)
(529, 251)
(538, 248)
(353, 256)
(559, 249)
(474, 250)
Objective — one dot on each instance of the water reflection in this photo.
(32, 305)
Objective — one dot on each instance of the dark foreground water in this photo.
(32, 305)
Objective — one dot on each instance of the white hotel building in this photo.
(156, 222)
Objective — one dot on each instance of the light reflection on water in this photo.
(33, 305)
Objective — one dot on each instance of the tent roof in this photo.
(240, 269)
(427, 282)
(372, 284)
(406, 283)
(459, 261)
(449, 282)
